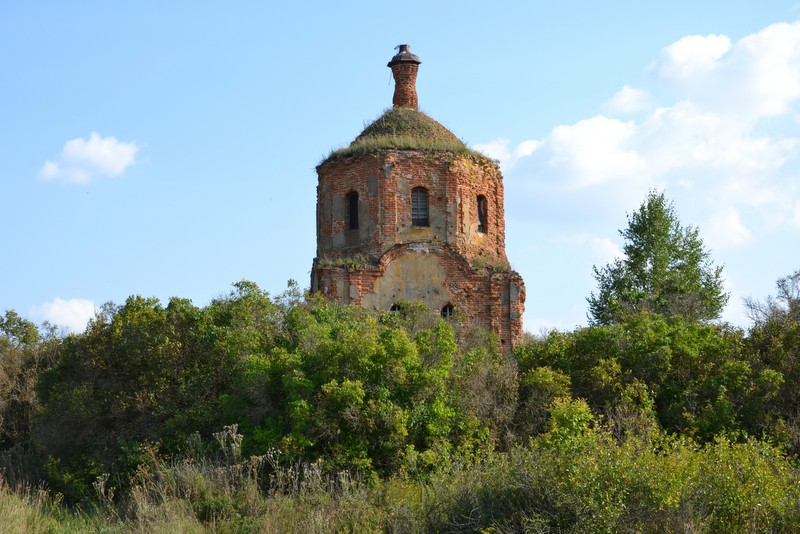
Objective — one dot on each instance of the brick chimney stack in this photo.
(404, 67)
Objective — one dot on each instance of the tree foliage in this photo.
(666, 270)
(24, 354)
(240, 406)
(380, 393)
(692, 378)
(774, 348)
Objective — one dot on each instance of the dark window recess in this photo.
(395, 307)
(483, 214)
(352, 210)
(419, 206)
(448, 311)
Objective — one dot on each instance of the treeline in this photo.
(374, 393)
(295, 414)
(255, 410)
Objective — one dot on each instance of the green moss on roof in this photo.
(403, 128)
(404, 122)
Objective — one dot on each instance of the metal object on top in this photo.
(403, 55)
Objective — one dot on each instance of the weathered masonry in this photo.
(408, 212)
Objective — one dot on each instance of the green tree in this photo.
(143, 373)
(24, 354)
(773, 346)
(666, 270)
(691, 375)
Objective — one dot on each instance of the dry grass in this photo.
(403, 129)
(28, 510)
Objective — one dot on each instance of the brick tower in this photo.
(408, 212)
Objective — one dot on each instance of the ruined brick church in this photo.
(408, 212)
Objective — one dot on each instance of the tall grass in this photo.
(587, 482)
(26, 510)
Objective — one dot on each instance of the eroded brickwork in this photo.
(436, 276)
(387, 259)
(457, 259)
(405, 91)
(384, 182)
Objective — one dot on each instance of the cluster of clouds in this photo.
(714, 127)
(718, 121)
(83, 160)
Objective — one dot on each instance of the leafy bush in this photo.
(696, 378)
(261, 413)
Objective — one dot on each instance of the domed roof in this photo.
(399, 126)
(403, 128)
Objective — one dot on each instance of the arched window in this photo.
(448, 311)
(483, 214)
(352, 210)
(419, 206)
(395, 307)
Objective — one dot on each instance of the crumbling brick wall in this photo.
(384, 182)
(387, 259)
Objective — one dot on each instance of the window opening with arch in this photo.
(419, 207)
(448, 311)
(352, 210)
(483, 214)
(395, 307)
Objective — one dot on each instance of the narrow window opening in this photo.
(419, 206)
(448, 311)
(352, 210)
(395, 307)
(483, 214)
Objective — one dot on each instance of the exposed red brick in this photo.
(479, 281)
(405, 86)
(387, 259)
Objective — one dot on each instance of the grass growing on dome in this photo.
(408, 122)
(404, 129)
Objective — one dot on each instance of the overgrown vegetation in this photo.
(490, 263)
(356, 261)
(295, 414)
(403, 129)
(576, 477)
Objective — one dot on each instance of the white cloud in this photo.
(604, 250)
(693, 55)
(595, 150)
(627, 100)
(526, 148)
(768, 64)
(717, 144)
(686, 137)
(499, 150)
(82, 160)
(759, 76)
(726, 229)
(73, 314)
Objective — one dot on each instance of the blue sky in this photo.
(169, 149)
